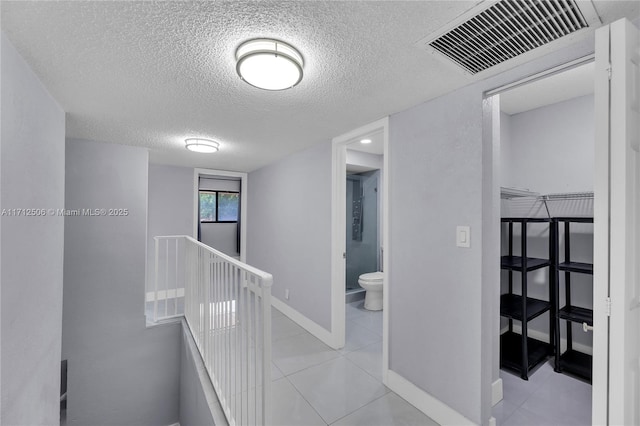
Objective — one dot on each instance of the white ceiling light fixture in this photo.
(206, 146)
(365, 141)
(269, 64)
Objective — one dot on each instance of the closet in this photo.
(546, 235)
(546, 176)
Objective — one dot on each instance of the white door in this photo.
(616, 369)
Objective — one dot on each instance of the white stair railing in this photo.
(227, 305)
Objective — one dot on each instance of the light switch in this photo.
(463, 236)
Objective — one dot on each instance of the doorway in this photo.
(362, 237)
(545, 138)
(366, 163)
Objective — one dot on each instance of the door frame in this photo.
(616, 223)
(339, 229)
(197, 173)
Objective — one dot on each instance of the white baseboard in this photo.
(492, 421)
(312, 327)
(496, 392)
(544, 337)
(432, 407)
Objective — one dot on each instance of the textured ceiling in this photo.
(153, 73)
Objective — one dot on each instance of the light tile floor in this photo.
(547, 398)
(316, 385)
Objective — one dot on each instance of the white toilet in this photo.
(372, 283)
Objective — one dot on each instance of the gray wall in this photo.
(119, 372)
(289, 229)
(435, 287)
(195, 386)
(170, 208)
(221, 236)
(32, 176)
(442, 312)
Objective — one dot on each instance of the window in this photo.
(218, 206)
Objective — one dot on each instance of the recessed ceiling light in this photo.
(206, 146)
(269, 64)
(365, 141)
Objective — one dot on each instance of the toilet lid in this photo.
(372, 276)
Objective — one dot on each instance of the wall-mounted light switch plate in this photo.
(463, 236)
(286, 294)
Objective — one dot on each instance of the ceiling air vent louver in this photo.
(508, 28)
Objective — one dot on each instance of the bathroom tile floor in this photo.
(316, 385)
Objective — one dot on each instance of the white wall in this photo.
(359, 158)
(289, 229)
(119, 371)
(550, 149)
(32, 176)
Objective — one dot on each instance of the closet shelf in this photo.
(576, 363)
(585, 219)
(511, 307)
(579, 267)
(576, 314)
(511, 352)
(514, 263)
(571, 361)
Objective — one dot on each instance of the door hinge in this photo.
(607, 302)
(609, 72)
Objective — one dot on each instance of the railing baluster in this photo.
(155, 293)
(175, 287)
(166, 277)
(227, 306)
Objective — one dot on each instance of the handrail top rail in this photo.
(267, 278)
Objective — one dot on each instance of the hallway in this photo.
(316, 385)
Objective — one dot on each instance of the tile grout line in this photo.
(305, 399)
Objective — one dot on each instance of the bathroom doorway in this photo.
(363, 224)
(359, 229)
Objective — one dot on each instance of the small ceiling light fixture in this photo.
(365, 141)
(269, 64)
(206, 146)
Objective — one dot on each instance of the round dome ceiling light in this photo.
(365, 141)
(206, 146)
(269, 64)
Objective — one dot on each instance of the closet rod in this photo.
(568, 196)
